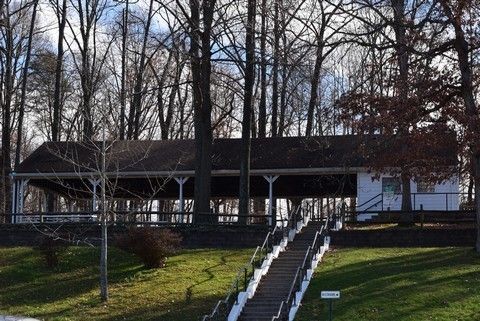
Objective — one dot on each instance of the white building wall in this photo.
(369, 192)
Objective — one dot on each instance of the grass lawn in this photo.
(190, 285)
(397, 284)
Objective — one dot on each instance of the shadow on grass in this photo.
(31, 283)
(186, 289)
(397, 286)
(210, 276)
(169, 311)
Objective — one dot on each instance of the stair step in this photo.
(274, 287)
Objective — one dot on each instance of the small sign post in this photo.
(330, 296)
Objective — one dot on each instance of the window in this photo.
(423, 186)
(391, 185)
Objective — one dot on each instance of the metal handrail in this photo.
(232, 291)
(279, 313)
(137, 216)
(244, 271)
(375, 204)
(368, 201)
(291, 292)
(303, 269)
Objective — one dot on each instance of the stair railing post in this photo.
(14, 198)
(422, 216)
(236, 292)
(267, 246)
(245, 279)
(446, 201)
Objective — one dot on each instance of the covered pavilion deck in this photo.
(140, 175)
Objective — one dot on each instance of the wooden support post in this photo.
(181, 201)
(422, 216)
(18, 194)
(270, 179)
(95, 183)
(20, 197)
(14, 199)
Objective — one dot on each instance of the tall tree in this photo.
(7, 95)
(456, 12)
(244, 188)
(90, 64)
(323, 48)
(262, 107)
(276, 57)
(61, 13)
(136, 107)
(123, 86)
(23, 92)
(399, 27)
(200, 30)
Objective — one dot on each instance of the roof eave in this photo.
(191, 173)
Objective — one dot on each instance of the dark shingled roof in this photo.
(179, 155)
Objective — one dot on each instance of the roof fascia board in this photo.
(144, 174)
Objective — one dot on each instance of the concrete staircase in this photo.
(274, 287)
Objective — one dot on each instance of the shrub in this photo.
(51, 250)
(151, 245)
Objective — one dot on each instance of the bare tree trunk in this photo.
(26, 66)
(104, 228)
(202, 105)
(135, 109)
(283, 98)
(477, 198)
(471, 109)
(57, 100)
(276, 49)
(262, 107)
(407, 215)
(285, 76)
(123, 94)
(314, 81)
(244, 188)
(166, 116)
(6, 115)
(402, 88)
(86, 79)
(471, 182)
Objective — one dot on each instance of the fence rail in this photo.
(137, 218)
(417, 216)
(445, 201)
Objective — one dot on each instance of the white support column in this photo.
(270, 179)
(18, 194)
(23, 186)
(95, 183)
(14, 199)
(181, 201)
(43, 205)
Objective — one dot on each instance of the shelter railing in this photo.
(135, 218)
(436, 201)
